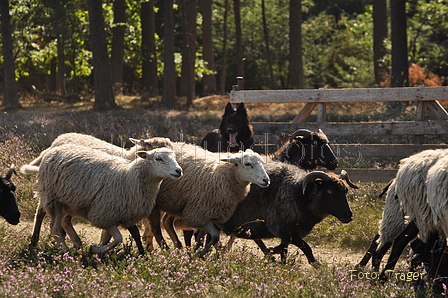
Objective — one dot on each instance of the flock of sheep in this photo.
(243, 194)
(416, 206)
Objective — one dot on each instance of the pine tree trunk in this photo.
(239, 38)
(222, 87)
(104, 95)
(10, 96)
(150, 81)
(268, 50)
(209, 80)
(379, 36)
(169, 77)
(296, 78)
(61, 66)
(117, 53)
(399, 44)
(189, 14)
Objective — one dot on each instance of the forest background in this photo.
(72, 49)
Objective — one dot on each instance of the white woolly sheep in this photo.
(305, 149)
(108, 192)
(209, 191)
(406, 196)
(94, 143)
(437, 188)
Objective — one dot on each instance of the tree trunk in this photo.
(10, 96)
(150, 81)
(222, 87)
(268, 50)
(379, 35)
(399, 44)
(239, 38)
(169, 78)
(104, 95)
(61, 66)
(209, 80)
(117, 53)
(189, 14)
(296, 78)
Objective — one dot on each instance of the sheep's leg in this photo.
(154, 222)
(370, 251)
(282, 249)
(105, 237)
(135, 233)
(188, 234)
(38, 219)
(400, 243)
(262, 246)
(68, 227)
(214, 238)
(57, 230)
(102, 249)
(199, 236)
(230, 243)
(375, 253)
(300, 243)
(168, 224)
(148, 236)
(378, 255)
(267, 252)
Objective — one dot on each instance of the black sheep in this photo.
(8, 204)
(290, 207)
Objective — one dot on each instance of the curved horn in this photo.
(344, 175)
(10, 172)
(300, 132)
(312, 176)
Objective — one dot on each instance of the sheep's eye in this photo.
(330, 191)
(159, 159)
(249, 165)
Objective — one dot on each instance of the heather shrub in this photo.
(243, 272)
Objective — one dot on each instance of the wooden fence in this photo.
(426, 98)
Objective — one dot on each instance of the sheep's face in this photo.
(163, 161)
(328, 195)
(8, 204)
(333, 197)
(249, 167)
(311, 151)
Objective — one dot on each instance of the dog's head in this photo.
(235, 123)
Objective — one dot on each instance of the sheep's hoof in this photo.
(358, 267)
(96, 250)
(316, 265)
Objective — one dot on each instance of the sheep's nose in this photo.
(179, 171)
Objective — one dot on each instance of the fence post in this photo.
(419, 116)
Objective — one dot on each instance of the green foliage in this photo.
(244, 272)
(337, 41)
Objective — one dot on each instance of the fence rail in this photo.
(426, 98)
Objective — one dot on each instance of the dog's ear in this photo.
(229, 109)
(241, 109)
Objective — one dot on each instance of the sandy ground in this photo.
(327, 255)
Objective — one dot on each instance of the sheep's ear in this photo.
(231, 159)
(250, 151)
(145, 154)
(137, 142)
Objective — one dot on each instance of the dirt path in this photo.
(329, 255)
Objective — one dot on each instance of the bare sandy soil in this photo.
(325, 254)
